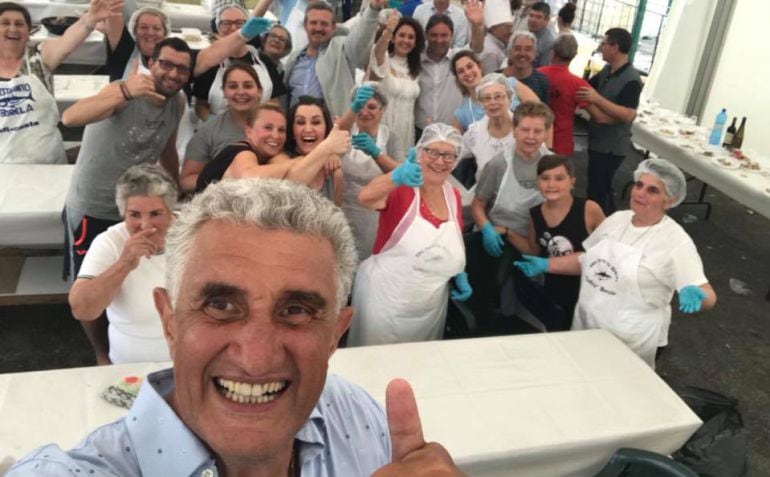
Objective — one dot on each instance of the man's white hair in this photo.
(270, 204)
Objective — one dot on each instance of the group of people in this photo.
(250, 281)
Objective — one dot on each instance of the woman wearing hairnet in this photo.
(400, 292)
(634, 261)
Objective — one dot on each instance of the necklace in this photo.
(640, 237)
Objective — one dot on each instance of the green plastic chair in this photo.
(641, 463)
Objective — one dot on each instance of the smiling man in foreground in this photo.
(258, 274)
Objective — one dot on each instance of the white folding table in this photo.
(550, 405)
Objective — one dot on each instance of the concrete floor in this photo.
(725, 350)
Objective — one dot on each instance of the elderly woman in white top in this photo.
(125, 263)
(29, 121)
(372, 155)
(493, 133)
(633, 263)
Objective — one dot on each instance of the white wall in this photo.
(742, 80)
(679, 51)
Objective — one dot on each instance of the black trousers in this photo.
(601, 171)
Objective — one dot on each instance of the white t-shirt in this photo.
(135, 330)
(669, 260)
(478, 143)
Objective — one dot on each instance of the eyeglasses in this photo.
(492, 97)
(169, 65)
(447, 157)
(277, 37)
(231, 23)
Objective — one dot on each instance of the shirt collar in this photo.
(619, 70)
(163, 444)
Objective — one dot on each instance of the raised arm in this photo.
(54, 51)
(306, 169)
(380, 50)
(137, 87)
(261, 8)
(245, 164)
(228, 46)
(375, 195)
(360, 37)
(474, 12)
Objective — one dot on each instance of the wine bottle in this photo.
(728, 142)
(738, 137)
(587, 70)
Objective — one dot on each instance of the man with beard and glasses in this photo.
(127, 123)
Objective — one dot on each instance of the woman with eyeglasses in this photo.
(466, 67)
(493, 133)
(207, 89)
(400, 292)
(395, 63)
(370, 157)
(242, 91)
(29, 121)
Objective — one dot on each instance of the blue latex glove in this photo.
(493, 242)
(364, 142)
(463, 289)
(532, 266)
(255, 26)
(690, 298)
(363, 94)
(409, 173)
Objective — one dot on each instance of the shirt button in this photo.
(207, 473)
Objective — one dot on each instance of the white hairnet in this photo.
(232, 6)
(154, 11)
(491, 79)
(440, 132)
(670, 175)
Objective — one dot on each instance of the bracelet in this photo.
(124, 91)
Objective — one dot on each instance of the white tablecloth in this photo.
(71, 88)
(531, 405)
(751, 189)
(31, 200)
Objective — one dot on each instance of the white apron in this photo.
(513, 201)
(358, 170)
(610, 298)
(29, 119)
(135, 56)
(217, 103)
(400, 294)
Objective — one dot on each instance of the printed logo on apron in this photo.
(603, 276)
(16, 100)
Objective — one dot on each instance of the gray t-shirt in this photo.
(136, 134)
(525, 173)
(212, 137)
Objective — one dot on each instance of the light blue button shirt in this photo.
(346, 435)
(304, 80)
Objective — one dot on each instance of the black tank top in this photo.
(215, 169)
(565, 238)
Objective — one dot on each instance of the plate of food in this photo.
(750, 166)
(726, 162)
(667, 132)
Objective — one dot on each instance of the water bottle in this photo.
(716, 134)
